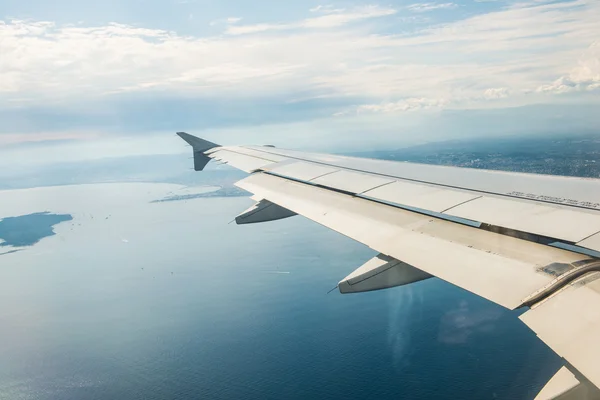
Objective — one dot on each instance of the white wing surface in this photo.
(519, 240)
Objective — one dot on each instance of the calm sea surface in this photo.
(138, 300)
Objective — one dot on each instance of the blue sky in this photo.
(95, 79)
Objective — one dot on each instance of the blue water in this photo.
(169, 301)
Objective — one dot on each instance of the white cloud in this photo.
(226, 21)
(337, 18)
(12, 138)
(411, 104)
(326, 9)
(333, 18)
(584, 77)
(496, 93)
(415, 19)
(246, 29)
(422, 103)
(561, 85)
(423, 7)
(513, 50)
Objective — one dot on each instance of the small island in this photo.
(27, 230)
(221, 191)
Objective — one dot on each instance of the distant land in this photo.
(228, 191)
(27, 230)
(169, 168)
(569, 156)
(573, 155)
(204, 191)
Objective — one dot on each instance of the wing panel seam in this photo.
(460, 204)
(242, 154)
(439, 184)
(376, 187)
(322, 175)
(587, 237)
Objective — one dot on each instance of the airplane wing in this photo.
(520, 240)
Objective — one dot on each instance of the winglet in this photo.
(199, 146)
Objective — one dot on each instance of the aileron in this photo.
(540, 219)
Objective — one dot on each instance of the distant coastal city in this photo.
(569, 156)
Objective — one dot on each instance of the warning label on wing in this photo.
(558, 200)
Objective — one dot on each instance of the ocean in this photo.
(138, 299)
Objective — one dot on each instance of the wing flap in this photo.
(544, 220)
(561, 387)
(592, 242)
(569, 322)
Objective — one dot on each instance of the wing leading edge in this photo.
(520, 240)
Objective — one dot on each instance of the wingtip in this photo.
(199, 146)
(186, 136)
(197, 143)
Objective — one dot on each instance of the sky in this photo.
(87, 79)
